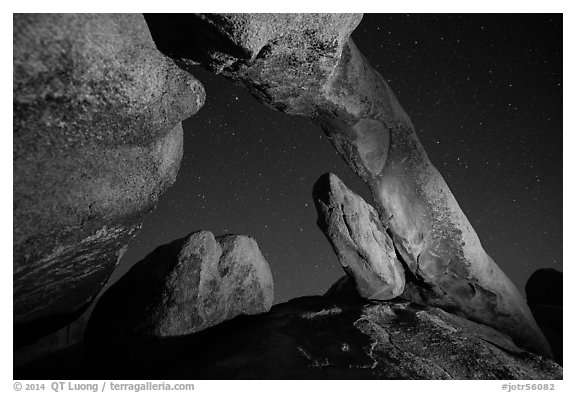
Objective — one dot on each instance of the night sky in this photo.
(485, 95)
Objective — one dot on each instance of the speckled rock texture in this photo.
(319, 338)
(359, 239)
(181, 288)
(259, 50)
(306, 64)
(97, 138)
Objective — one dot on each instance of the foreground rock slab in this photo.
(181, 288)
(323, 338)
(360, 241)
(306, 64)
(97, 138)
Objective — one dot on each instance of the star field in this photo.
(485, 95)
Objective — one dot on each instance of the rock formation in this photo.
(363, 247)
(181, 288)
(322, 338)
(306, 64)
(545, 286)
(97, 138)
(71, 335)
(344, 289)
(544, 293)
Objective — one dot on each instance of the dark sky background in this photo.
(485, 95)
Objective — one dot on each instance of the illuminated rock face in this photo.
(321, 337)
(307, 65)
(97, 139)
(181, 288)
(360, 241)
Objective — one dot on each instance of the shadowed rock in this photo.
(181, 288)
(66, 337)
(361, 243)
(321, 338)
(344, 290)
(97, 138)
(545, 286)
(544, 293)
(306, 64)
